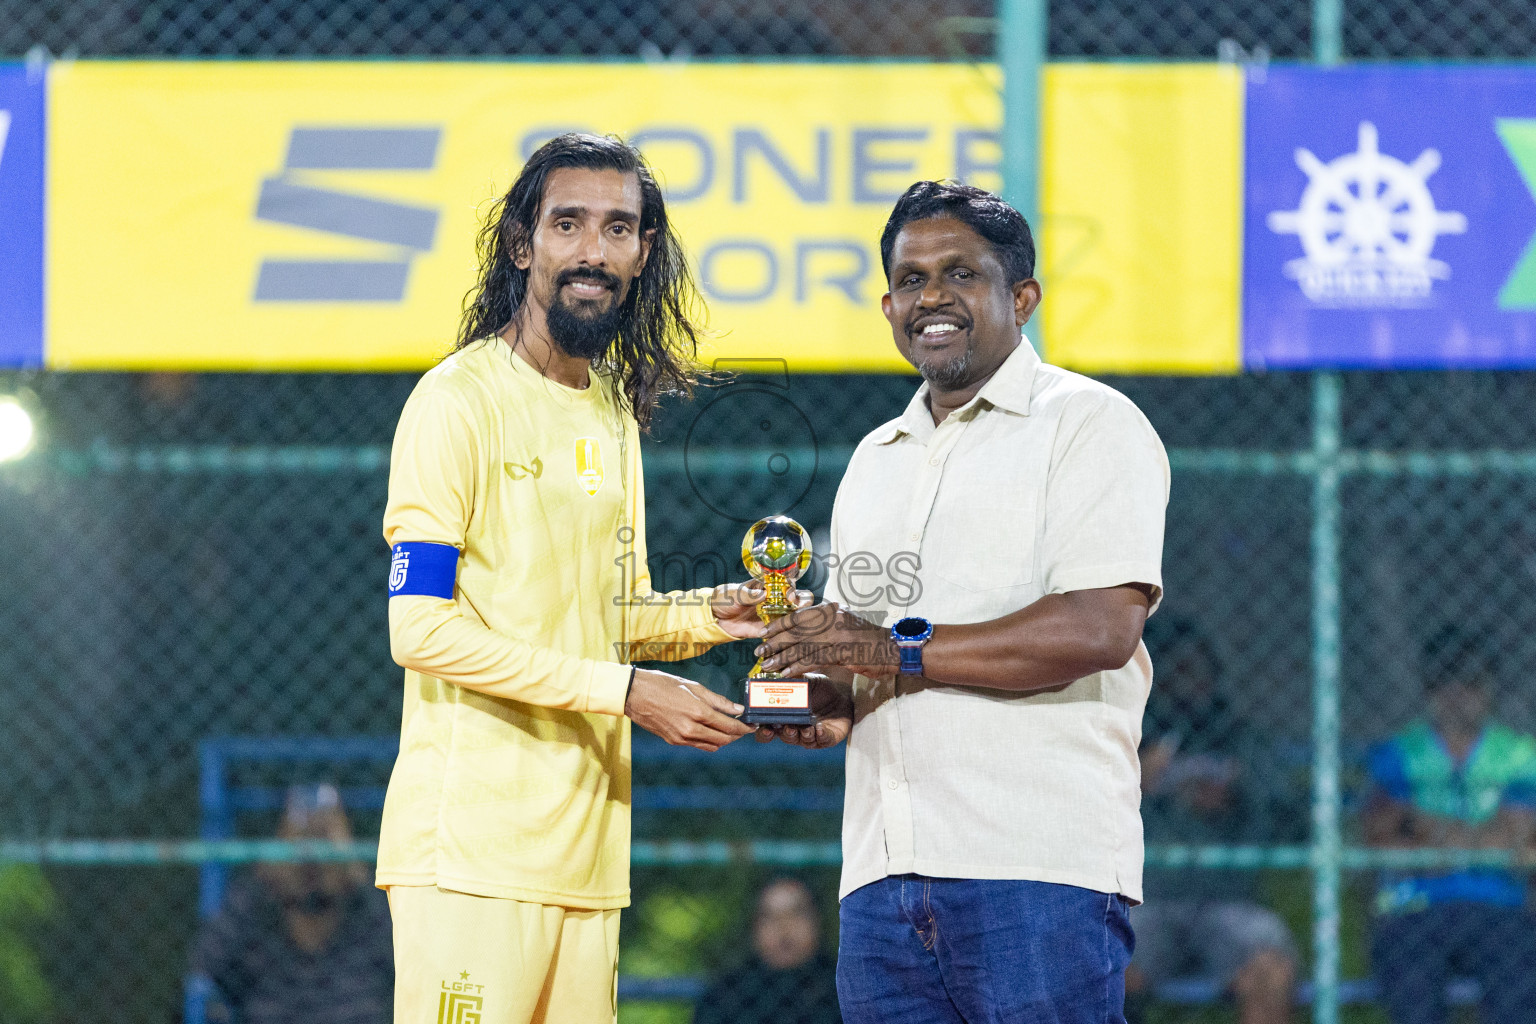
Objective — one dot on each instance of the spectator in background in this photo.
(303, 943)
(1457, 780)
(790, 979)
(1199, 787)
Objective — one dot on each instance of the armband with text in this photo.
(419, 567)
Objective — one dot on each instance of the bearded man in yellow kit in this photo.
(519, 593)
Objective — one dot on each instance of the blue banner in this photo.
(21, 215)
(1390, 218)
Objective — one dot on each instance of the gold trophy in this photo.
(776, 551)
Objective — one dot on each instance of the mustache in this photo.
(593, 274)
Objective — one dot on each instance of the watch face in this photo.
(911, 628)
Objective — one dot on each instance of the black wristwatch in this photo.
(909, 635)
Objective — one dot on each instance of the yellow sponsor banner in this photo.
(309, 216)
(1142, 200)
(322, 216)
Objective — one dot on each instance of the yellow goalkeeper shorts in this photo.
(462, 959)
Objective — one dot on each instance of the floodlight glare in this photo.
(16, 430)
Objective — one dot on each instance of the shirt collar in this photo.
(1009, 389)
(1011, 385)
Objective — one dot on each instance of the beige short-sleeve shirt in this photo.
(1046, 482)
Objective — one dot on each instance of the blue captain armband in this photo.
(419, 567)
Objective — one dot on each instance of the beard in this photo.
(952, 373)
(584, 329)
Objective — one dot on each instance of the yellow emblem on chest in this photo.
(589, 464)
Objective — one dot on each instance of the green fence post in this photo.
(1328, 31)
(1021, 53)
(1327, 840)
(1327, 848)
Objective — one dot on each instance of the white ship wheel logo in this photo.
(1367, 224)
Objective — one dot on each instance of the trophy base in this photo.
(777, 716)
(778, 702)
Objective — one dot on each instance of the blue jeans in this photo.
(920, 950)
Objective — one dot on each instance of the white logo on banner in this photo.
(1367, 225)
(5, 130)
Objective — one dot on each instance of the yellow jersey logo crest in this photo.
(589, 464)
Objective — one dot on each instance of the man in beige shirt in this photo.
(996, 551)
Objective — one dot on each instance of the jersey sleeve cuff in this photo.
(1105, 576)
(609, 688)
(708, 628)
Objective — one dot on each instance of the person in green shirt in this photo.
(1456, 779)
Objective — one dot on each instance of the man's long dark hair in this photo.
(657, 341)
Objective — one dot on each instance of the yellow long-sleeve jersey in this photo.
(513, 778)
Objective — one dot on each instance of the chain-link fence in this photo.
(934, 29)
(197, 557)
(193, 621)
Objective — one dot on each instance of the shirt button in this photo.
(916, 536)
(933, 462)
(894, 784)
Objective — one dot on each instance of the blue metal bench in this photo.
(1202, 991)
(1179, 992)
(221, 802)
